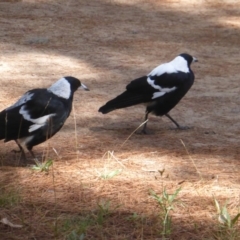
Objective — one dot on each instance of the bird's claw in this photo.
(180, 128)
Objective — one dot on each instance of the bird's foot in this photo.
(181, 128)
(184, 127)
(145, 132)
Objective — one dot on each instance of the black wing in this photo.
(171, 80)
(25, 117)
(138, 91)
(172, 88)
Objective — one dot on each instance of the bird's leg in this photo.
(31, 152)
(34, 157)
(167, 115)
(144, 129)
(178, 126)
(21, 150)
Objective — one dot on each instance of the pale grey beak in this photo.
(195, 59)
(83, 87)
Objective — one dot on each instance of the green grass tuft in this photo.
(9, 197)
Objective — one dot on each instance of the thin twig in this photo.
(134, 132)
(111, 153)
(200, 175)
(75, 126)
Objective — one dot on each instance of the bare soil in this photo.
(106, 44)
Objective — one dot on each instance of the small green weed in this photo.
(138, 220)
(134, 217)
(110, 174)
(43, 167)
(166, 203)
(104, 211)
(74, 236)
(75, 228)
(228, 225)
(9, 197)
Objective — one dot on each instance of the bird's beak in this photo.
(194, 59)
(83, 87)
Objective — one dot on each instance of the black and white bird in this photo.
(160, 90)
(38, 114)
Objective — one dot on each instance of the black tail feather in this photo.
(2, 125)
(126, 99)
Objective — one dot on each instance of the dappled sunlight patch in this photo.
(41, 61)
(230, 21)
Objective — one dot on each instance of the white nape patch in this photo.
(38, 122)
(26, 97)
(61, 88)
(178, 64)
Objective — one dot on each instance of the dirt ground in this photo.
(106, 44)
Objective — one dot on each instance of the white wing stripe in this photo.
(38, 122)
(157, 94)
(166, 90)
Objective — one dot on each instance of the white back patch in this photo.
(38, 122)
(61, 88)
(26, 97)
(178, 64)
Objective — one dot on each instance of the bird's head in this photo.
(66, 86)
(182, 62)
(75, 84)
(190, 59)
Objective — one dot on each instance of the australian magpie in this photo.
(160, 90)
(38, 114)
